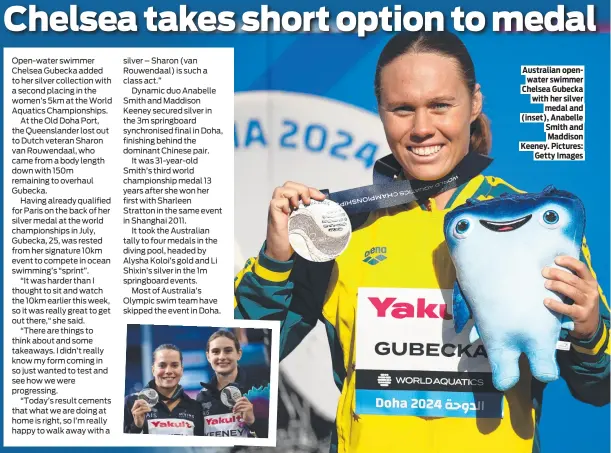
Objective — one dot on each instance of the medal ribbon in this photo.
(386, 192)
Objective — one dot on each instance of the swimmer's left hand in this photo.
(246, 409)
(582, 288)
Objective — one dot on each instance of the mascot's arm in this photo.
(291, 292)
(586, 367)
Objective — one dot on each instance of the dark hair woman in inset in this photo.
(163, 407)
(225, 404)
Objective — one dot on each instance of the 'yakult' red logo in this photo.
(223, 419)
(401, 310)
(171, 424)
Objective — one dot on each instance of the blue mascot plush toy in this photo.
(499, 248)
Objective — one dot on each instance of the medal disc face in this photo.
(319, 232)
(150, 397)
(229, 395)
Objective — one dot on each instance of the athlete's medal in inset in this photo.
(149, 396)
(230, 395)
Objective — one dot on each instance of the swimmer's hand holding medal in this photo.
(232, 397)
(145, 401)
(302, 220)
(319, 228)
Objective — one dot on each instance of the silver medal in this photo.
(150, 397)
(229, 395)
(319, 232)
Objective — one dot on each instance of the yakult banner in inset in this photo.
(171, 426)
(410, 361)
(225, 425)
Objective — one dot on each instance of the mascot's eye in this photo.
(461, 230)
(462, 226)
(550, 217)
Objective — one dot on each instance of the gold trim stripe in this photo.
(596, 349)
(271, 276)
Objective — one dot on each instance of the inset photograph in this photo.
(199, 381)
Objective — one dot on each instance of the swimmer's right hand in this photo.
(139, 409)
(284, 200)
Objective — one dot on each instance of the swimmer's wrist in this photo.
(270, 269)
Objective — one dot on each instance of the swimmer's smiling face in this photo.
(427, 110)
(223, 355)
(167, 370)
